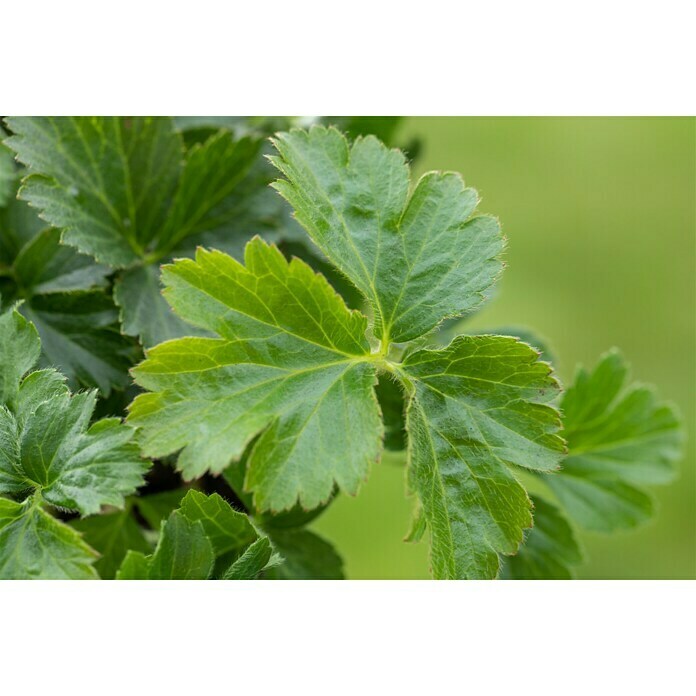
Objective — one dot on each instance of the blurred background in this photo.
(600, 216)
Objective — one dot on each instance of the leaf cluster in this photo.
(288, 340)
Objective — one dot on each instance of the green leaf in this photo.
(620, 438)
(550, 549)
(144, 312)
(125, 191)
(43, 265)
(417, 257)
(306, 556)
(105, 181)
(8, 174)
(47, 442)
(135, 566)
(62, 292)
(477, 407)
(74, 466)
(20, 348)
(157, 507)
(112, 536)
(34, 545)
(226, 528)
(183, 551)
(291, 362)
(79, 334)
(391, 401)
(254, 559)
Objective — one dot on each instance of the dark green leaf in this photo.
(306, 556)
(112, 536)
(550, 549)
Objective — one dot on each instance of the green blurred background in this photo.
(600, 215)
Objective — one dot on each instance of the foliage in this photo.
(296, 337)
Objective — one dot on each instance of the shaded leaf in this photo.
(306, 556)
(112, 535)
(550, 549)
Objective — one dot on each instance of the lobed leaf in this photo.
(550, 549)
(620, 437)
(34, 545)
(289, 364)
(417, 257)
(477, 407)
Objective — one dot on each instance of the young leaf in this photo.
(550, 549)
(135, 566)
(477, 407)
(226, 528)
(34, 545)
(184, 552)
(619, 438)
(417, 258)
(112, 536)
(254, 559)
(291, 362)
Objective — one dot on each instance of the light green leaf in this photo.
(254, 559)
(306, 556)
(550, 549)
(477, 407)
(34, 545)
(226, 528)
(417, 257)
(620, 437)
(135, 566)
(112, 536)
(291, 362)
(183, 551)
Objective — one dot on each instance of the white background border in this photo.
(359, 57)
